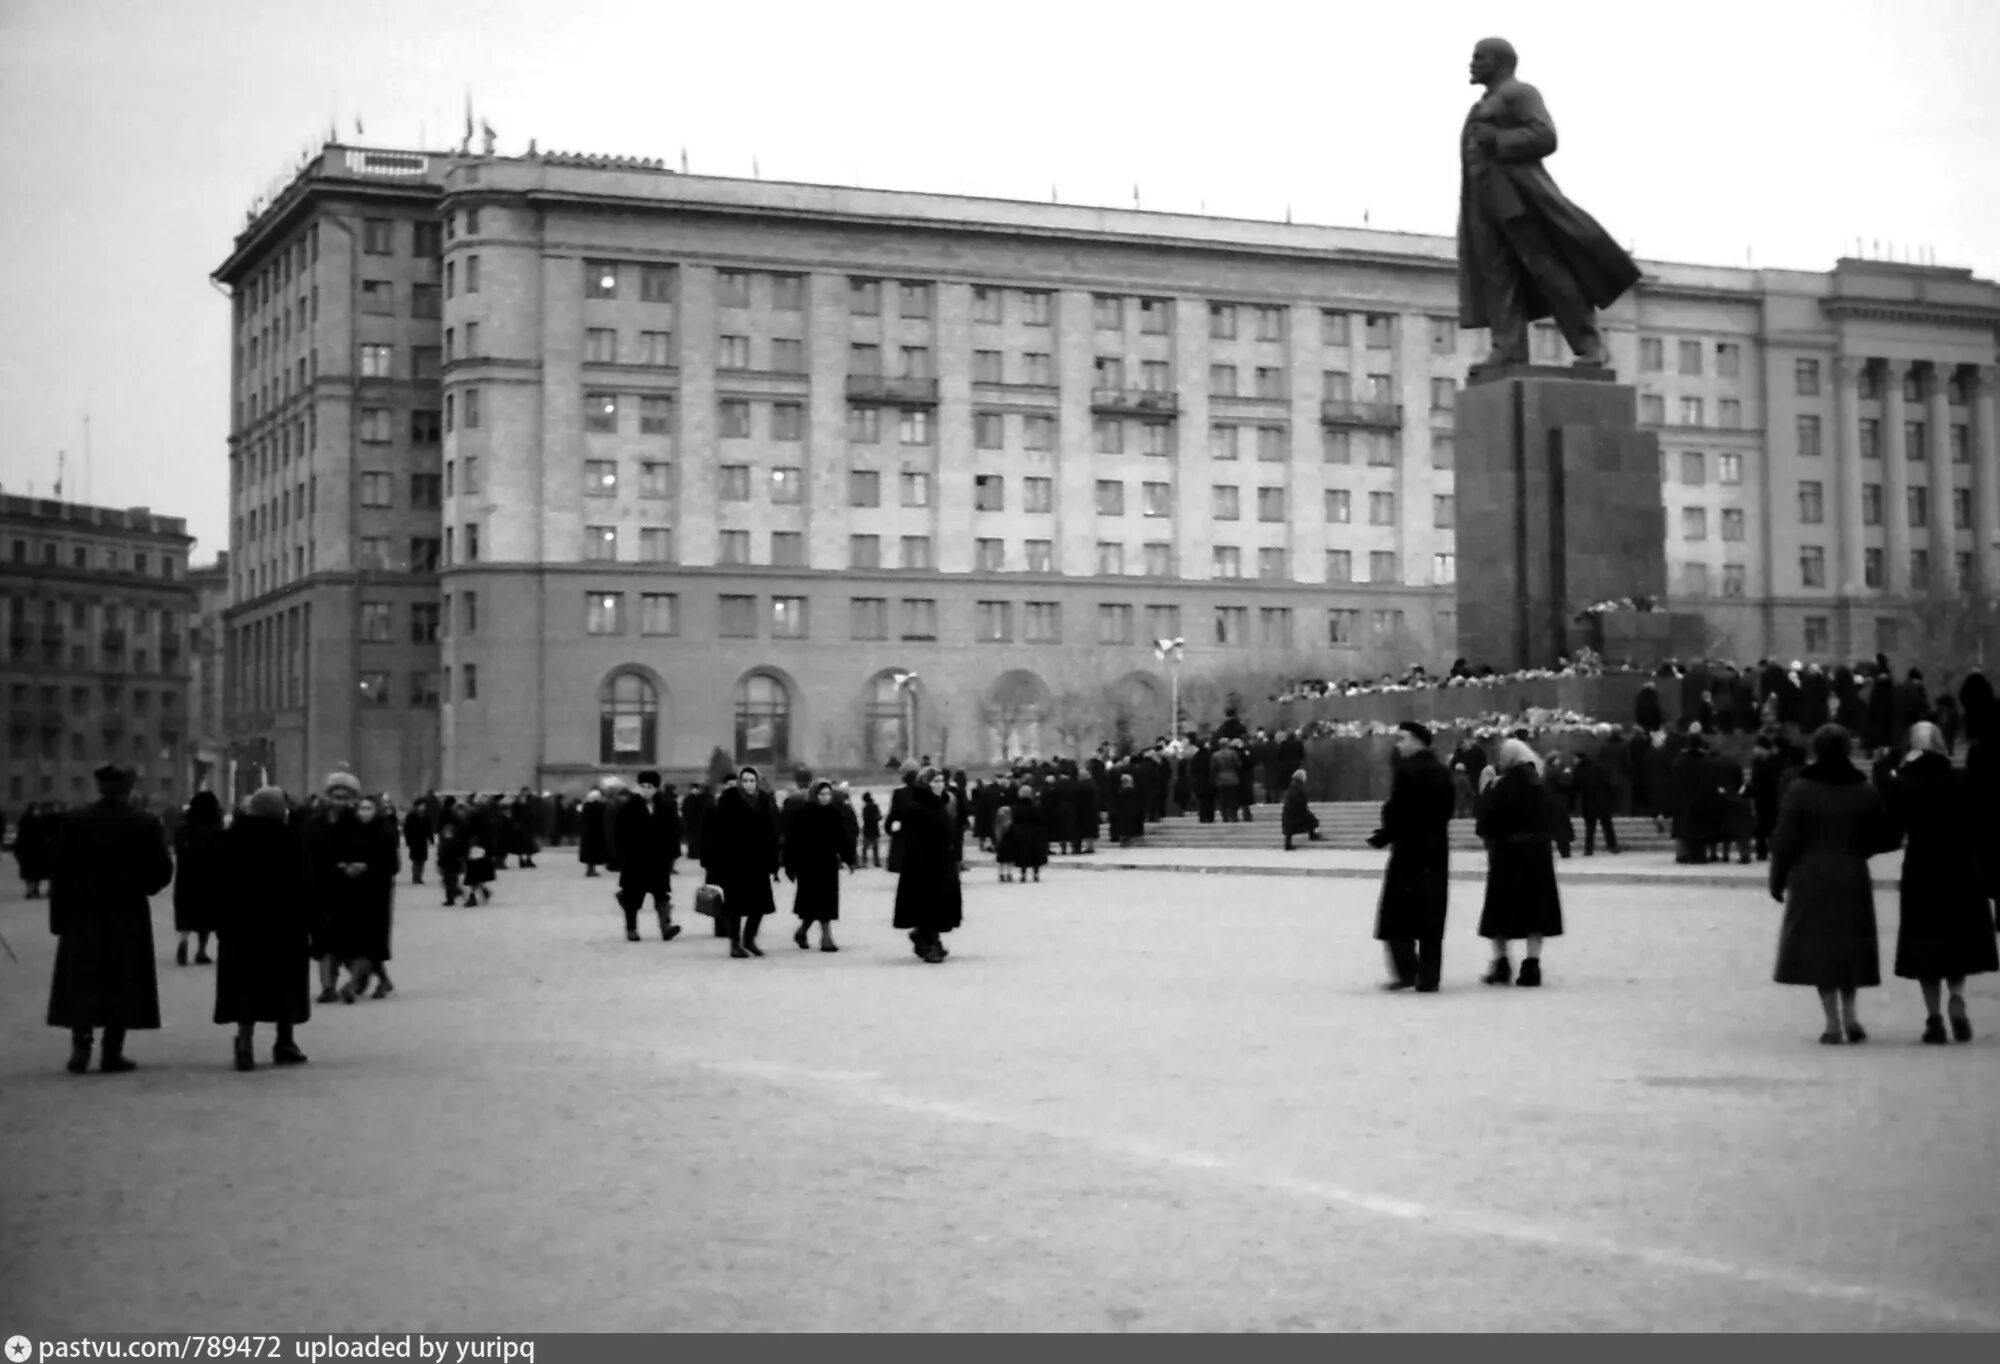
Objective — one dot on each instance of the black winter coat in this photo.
(1416, 828)
(593, 844)
(649, 843)
(928, 898)
(266, 922)
(1521, 896)
(739, 852)
(1946, 929)
(198, 877)
(1830, 822)
(109, 859)
(817, 846)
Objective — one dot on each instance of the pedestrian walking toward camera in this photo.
(374, 907)
(198, 874)
(871, 831)
(929, 902)
(338, 848)
(1831, 820)
(419, 829)
(739, 853)
(1297, 819)
(34, 845)
(265, 925)
(649, 841)
(1416, 887)
(109, 859)
(1522, 902)
(454, 838)
(485, 849)
(1946, 929)
(1003, 836)
(817, 846)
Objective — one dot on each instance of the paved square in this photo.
(1129, 1101)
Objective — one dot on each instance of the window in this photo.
(1920, 570)
(917, 618)
(1694, 468)
(471, 280)
(1153, 314)
(376, 627)
(1108, 434)
(1155, 439)
(656, 544)
(656, 284)
(733, 352)
(600, 411)
(1114, 623)
(864, 551)
(1812, 565)
(656, 416)
(1232, 626)
(1332, 328)
(916, 427)
(864, 425)
(469, 613)
(1652, 409)
(1273, 445)
(735, 483)
(1694, 523)
(375, 425)
(373, 686)
(1343, 628)
(1728, 360)
(1381, 449)
(1805, 378)
(788, 618)
(1339, 506)
(1274, 564)
(378, 490)
(989, 493)
(787, 486)
(1038, 432)
(1035, 307)
(1110, 497)
(1038, 495)
(378, 236)
(1920, 507)
(1226, 562)
(1225, 503)
(993, 622)
(1735, 579)
(1871, 504)
(1110, 558)
(1694, 580)
(425, 621)
(1817, 634)
(659, 613)
(600, 478)
(1444, 511)
(374, 551)
(1158, 499)
(1652, 354)
(986, 304)
(1691, 412)
(1444, 569)
(989, 555)
(864, 488)
(1690, 355)
(1961, 509)
(1335, 446)
(736, 617)
(917, 552)
(1961, 569)
(1381, 331)
(426, 239)
(1383, 567)
(378, 296)
(1274, 627)
(1271, 504)
(600, 279)
(1159, 559)
(733, 418)
(987, 367)
(1381, 509)
(1914, 449)
(1729, 414)
(1163, 622)
(734, 547)
(1043, 622)
(989, 430)
(1041, 555)
(868, 618)
(864, 297)
(913, 299)
(1808, 431)
(600, 542)
(1812, 508)
(1270, 323)
(1961, 443)
(600, 345)
(1444, 395)
(916, 488)
(1871, 438)
(1732, 523)
(471, 396)
(1107, 313)
(1729, 469)
(604, 613)
(656, 478)
(1222, 321)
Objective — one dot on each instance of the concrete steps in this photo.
(1347, 824)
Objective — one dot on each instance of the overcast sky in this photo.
(133, 134)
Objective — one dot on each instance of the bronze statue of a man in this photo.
(1524, 250)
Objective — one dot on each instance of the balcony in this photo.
(1135, 402)
(1375, 416)
(880, 388)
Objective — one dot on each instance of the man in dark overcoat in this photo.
(109, 859)
(1416, 889)
(337, 848)
(649, 843)
(1524, 250)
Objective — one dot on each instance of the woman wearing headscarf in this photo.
(198, 873)
(929, 903)
(1946, 930)
(367, 937)
(1297, 819)
(739, 855)
(453, 842)
(1830, 822)
(1030, 834)
(1521, 897)
(816, 848)
(266, 920)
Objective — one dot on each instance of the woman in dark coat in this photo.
(739, 854)
(198, 873)
(591, 849)
(1416, 887)
(265, 922)
(485, 845)
(367, 936)
(1128, 810)
(1521, 896)
(1297, 820)
(1946, 930)
(419, 828)
(1830, 822)
(35, 845)
(1030, 834)
(453, 842)
(817, 846)
(928, 900)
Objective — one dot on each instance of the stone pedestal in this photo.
(1558, 508)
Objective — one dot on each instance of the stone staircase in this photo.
(1347, 824)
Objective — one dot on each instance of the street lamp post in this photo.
(1172, 652)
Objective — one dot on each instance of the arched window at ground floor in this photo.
(763, 721)
(628, 720)
(889, 709)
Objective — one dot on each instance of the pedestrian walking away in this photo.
(1416, 887)
(265, 927)
(1522, 902)
(198, 875)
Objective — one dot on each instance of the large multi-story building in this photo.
(833, 475)
(208, 743)
(96, 671)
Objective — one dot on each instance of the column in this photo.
(1895, 481)
(1985, 436)
(1847, 371)
(1937, 445)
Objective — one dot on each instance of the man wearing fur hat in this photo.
(1416, 888)
(109, 859)
(648, 837)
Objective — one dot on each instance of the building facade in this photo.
(208, 742)
(97, 666)
(828, 475)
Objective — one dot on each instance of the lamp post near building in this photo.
(1172, 652)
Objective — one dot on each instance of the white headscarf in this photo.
(1925, 737)
(1513, 753)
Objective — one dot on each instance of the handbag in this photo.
(708, 900)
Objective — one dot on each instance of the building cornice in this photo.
(1919, 312)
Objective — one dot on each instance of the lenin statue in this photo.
(1524, 251)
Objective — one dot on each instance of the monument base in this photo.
(1559, 509)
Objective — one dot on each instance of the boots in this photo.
(669, 930)
(800, 936)
(181, 953)
(1934, 1032)
(1502, 972)
(1531, 972)
(1961, 1023)
(735, 935)
(286, 1052)
(750, 935)
(246, 1056)
(112, 1059)
(79, 1052)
